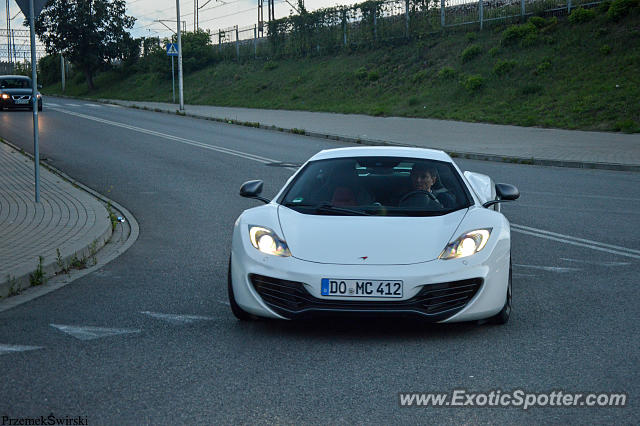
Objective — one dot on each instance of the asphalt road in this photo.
(574, 325)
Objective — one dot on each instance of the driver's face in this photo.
(423, 181)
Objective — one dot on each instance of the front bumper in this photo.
(440, 290)
(11, 103)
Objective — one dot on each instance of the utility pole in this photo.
(62, 70)
(8, 33)
(180, 86)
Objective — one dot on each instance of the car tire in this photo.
(238, 312)
(502, 317)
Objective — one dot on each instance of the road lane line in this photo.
(179, 319)
(523, 228)
(7, 349)
(253, 157)
(90, 332)
(547, 268)
(622, 251)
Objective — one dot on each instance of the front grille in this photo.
(17, 97)
(435, 301)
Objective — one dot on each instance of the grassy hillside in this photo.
(550, 73)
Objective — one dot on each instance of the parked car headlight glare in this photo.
(5, 96)
(467, 244)
(267, 241)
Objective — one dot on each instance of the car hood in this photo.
(375, 240)
(17, 91)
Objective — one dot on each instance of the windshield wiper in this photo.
(326, 207)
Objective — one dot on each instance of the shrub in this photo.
(538, 21)
(473, 83)
(270, 65)
(603, 7)
(504, 67)
(447, 73)
(420, 76)
(494, 51)
(531, 89)
(413, 101)
(620, 8)
(471, 36)
(373, 76)
(514, 33)
(529, 40)
(581, 15)
(361, 73)
(627, 126)
(471, 52)
(543, 67)
(605, 49)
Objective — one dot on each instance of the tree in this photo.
(89, 33)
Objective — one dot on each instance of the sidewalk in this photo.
(530, 145)
(66, 218)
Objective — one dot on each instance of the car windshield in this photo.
(15, 83)
(383, 186)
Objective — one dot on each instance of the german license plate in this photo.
(21, 101)
(361, 288)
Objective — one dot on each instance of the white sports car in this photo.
(375, 231)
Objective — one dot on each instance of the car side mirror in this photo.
(252, 189)
(504, 192)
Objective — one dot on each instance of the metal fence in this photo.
(373, 22)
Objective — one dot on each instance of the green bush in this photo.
(473, 83)
(49, 69)
(373, 76)
(531, 89)
(420, 76)
(581, 15)
(471, 52)
(515, 33)
(543, 67)
(270, 65)
(529, 40)
(538, 21)
(471, 36)
(361, 73)
(494, 51)
(620, 8)
(504, 67)
(605, 49)
(603, 7)
(413, 101)
(446, 73)
(627, 126)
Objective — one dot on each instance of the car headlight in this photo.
(467, 244)
(38, 95)
(5, 96)
(267, 241)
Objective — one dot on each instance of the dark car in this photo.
(16, 91)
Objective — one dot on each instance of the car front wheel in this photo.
(239, 313)
(502, 317)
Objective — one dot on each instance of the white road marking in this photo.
(596, 263)
(224, 302)
(7, 349)
(580, 242)
(547, 268)
(92, 105)
(604, 197)
(516, 275)
(115, 106)
(90, 333)
(177, 318)
(52, 104)
(260, 159)
(72, 105)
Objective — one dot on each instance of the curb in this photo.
(52, 269)
(365, 141)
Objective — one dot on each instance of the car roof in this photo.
(14, 76)
(383, 151)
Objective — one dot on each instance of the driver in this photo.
(423, 179)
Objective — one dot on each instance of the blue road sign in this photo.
(172, 49)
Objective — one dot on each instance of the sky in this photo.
(214, 15)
